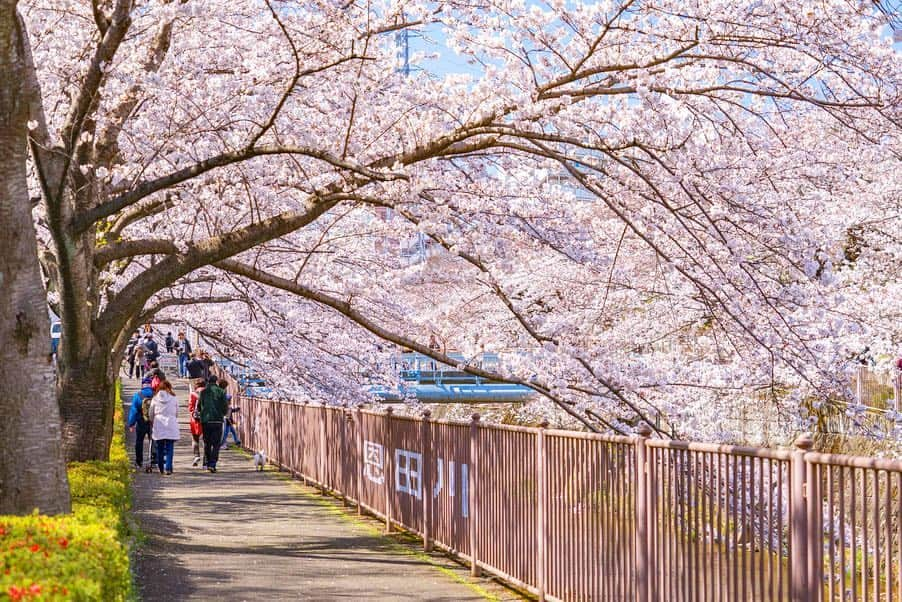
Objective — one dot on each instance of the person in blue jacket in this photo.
(138, 423)
(152, 352)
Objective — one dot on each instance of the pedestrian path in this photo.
(246, 535)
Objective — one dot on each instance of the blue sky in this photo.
(432, 40)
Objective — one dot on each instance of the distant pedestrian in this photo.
(156, 376)
(151, 350)
(195, 367)
(231, 420)
(170, 342)
(212, 406)
(183, 347)
(164, 416)
(197, 429)
(130, 354)
(139, 360)
(208, 365)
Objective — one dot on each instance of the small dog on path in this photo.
(260, 460)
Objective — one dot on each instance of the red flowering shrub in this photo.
(81, 556)
(57, 558)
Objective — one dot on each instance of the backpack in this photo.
(145, 408)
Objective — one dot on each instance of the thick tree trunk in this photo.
(32, 472)
(91, 351)
(90, 354)
(86, 395)
(87, 403)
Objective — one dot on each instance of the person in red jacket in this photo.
(196, 427)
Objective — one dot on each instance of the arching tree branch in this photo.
(130, 248)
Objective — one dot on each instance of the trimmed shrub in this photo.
(80, 556)
(62, 558)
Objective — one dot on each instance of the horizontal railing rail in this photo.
(735, 450)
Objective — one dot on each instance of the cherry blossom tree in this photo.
(612, 176)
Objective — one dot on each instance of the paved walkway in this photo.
(244, 535)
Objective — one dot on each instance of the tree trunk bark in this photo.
(86, 395)
(86, 378)
(87, 402)
(32, 471)
(91, 350)
(89, 359)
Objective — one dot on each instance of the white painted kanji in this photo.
(409, 472)
(374, 462)
(464, 484)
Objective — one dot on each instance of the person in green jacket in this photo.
(212, 408)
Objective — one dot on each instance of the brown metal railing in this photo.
(577, 516)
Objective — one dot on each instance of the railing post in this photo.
(344, 450)
(280, 436)
(273, 450)
(651, 472)
(471, 494)
(642, 565)
(425, 436)
(815, 531)
(388, 470)
(322, 449)
(798, 521)
(541, 510)
(305, 440)
(306, 437)
(360, 461)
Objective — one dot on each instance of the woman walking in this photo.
(164, 415)
(196, 428)
(139, 360)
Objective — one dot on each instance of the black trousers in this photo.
(143, 430)
(212, 441)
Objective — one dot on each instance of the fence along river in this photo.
(578, 516)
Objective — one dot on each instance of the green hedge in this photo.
(80, 556)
